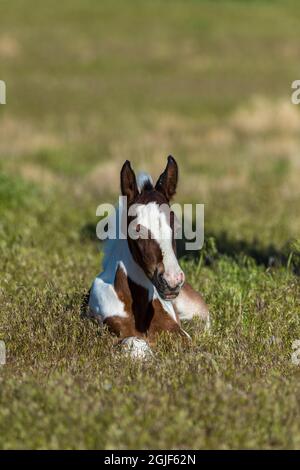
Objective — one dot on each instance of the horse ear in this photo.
(167, 182)
(128, 182)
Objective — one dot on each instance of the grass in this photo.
(90, 84)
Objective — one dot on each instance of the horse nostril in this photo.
(181, 277)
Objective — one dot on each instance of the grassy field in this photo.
(90, 84)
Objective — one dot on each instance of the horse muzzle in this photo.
(165, 291)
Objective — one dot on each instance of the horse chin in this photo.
(168, 295)
(164, 294)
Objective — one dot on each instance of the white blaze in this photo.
(152, 218)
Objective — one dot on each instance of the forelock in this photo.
(144, 182)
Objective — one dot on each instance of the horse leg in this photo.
(189, 304)
(131, 341)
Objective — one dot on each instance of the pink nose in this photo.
(175, 279)
(180, 277)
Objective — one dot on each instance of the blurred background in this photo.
(90, 84)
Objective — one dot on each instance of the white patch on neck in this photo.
(117, 253)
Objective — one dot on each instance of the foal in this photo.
(142, 289)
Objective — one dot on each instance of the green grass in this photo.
(90, 84)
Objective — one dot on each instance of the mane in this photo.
(144, 181)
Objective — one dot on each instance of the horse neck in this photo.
(117, 254)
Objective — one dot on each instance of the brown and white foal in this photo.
(142, 289)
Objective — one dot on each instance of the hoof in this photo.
(137, 348)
